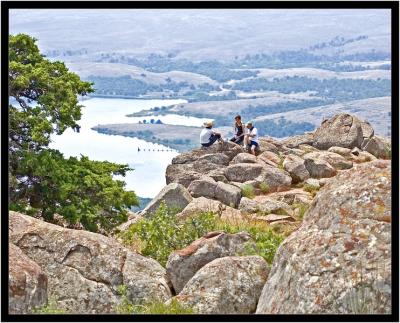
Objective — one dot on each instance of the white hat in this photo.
(208, 124)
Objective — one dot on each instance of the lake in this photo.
(148, 176)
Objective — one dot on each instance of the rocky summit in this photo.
(325, 197)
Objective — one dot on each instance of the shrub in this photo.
(264, 187)
(150, 307)
(163, 233)
(248, 191)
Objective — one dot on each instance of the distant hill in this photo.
(204, 34)
(376, 110)
(143, 201)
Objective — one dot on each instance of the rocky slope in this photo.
(340, 173)
(84, 269)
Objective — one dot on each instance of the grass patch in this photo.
(248, 191)
(281, 160)
(161, 234)
(49, 308)
(388, 152)
(302, 207)
(155, 307)
(299, 185)
(312, 189)
(266, 239)
(264, 188)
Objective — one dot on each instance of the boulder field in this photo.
(329, 190)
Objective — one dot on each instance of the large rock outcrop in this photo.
(229, 285)
(85, 269)
(174, 195)
(342, 130)
(183, 264)
(27, 283)
(341, 251)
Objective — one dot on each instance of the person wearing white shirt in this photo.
(251, 138)
(209, 136)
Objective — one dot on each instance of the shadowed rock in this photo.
(377, 146)
(27, 283)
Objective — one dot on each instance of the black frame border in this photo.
(392, 5)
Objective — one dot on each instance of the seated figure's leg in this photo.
(239, 141)
(246, 140)
(214, 138)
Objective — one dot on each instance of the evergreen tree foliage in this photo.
(41, 181)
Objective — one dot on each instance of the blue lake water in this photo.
(148, 176)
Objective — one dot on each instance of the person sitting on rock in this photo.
(239, 133)
(209, 136)
(251, 138)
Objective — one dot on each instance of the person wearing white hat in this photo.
(251, 138)
(209, 136)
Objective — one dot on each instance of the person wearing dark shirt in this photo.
(239, 133)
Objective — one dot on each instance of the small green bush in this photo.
(248, 191)
(264, 188)
(163, 233)
(155, 307)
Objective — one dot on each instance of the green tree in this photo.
(41, 180)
